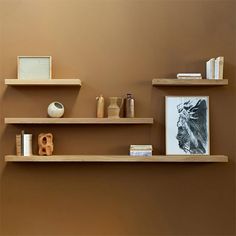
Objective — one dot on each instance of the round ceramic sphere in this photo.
(55, 110)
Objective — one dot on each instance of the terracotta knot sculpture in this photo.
(45, 142)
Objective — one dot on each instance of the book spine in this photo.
(27, 139)
(219, 66)
(22, 142)
(18, 145)
(210, 69)
(207, 70)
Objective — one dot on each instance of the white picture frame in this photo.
(34, 67)
(187, 125)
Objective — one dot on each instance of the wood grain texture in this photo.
(188, 82)
(49, 82)
(116, 158)
(79, 121)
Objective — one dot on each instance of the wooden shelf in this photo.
(188, 82)
(78, 121)
(116, 158)
(48, 82)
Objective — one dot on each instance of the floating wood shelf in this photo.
(78, 121)
(48, 82)
(116, 158)
(188, 82)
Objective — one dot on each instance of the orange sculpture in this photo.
(45, 142)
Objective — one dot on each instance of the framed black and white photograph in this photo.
(34, 67)
(187, 125)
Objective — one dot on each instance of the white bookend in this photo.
(210, 69)
(219, 67)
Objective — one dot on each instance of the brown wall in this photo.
(115, 47)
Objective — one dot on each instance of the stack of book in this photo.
(189, 76)
(140, 150)
(214, 68)
(24, 144)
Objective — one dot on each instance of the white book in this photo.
(140, 153)
(27, 147)
(140, 147)
(210, 69)
(189, 74)
(219, 66)
(191, 77)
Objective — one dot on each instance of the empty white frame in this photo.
(187, 125)
(34, 67)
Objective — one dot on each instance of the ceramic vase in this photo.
(55, 110)
(113, 109)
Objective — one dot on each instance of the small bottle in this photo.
(100, 106)
(129, 106)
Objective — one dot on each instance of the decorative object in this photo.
(129, 106)
(113, 109)
(55, 110)
(100, 106)
(34, 67)
(45, 143)
(187, 125)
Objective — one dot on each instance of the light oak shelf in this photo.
(78, 121)
(48, 82)
(188, 82)
(116, 158)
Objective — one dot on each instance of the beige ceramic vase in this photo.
(113, 109)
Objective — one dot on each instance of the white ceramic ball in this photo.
(55, 110)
